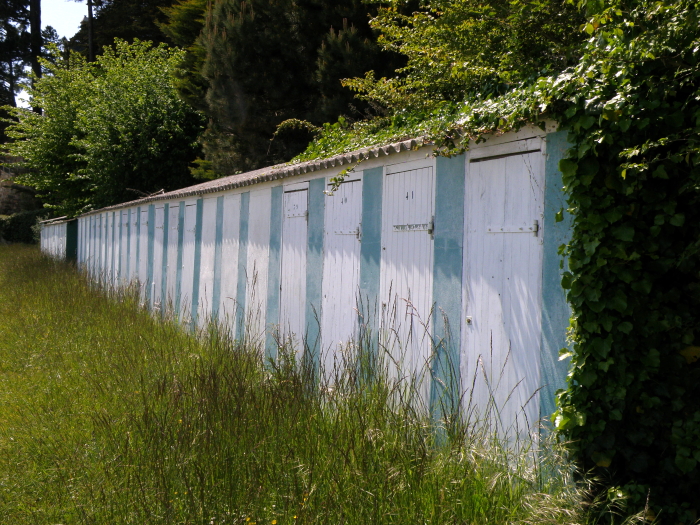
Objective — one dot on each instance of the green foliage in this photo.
(467, 49)
(20, 227)
(631, 410)
(185, 20)
(270, 61)
(633, 178)
(108, 128)
(108, 415)
(122, 19)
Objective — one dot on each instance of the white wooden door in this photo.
(230, 245)
(116, 246)
(133, 243)
(158, 250)
(503, 269)
(124, 248)
(293, 276)
(187, 271)
(173, 233)
(341, 274)
(257, 266)
(109, 261)
(406, 281)
(102, 268)
(206, 265)
(143, 251)
(100, 232)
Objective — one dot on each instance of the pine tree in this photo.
(185, 20)
(123, 19)
(268, 61)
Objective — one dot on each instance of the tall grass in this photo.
(108, 415)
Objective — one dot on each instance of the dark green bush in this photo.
(19, 227)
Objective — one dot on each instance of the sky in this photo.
(63, 15)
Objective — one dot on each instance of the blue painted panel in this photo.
(370, 253)
(314, 269)
(274, 269)
(555, 309)
(178, 269)
(197, 262)
(447, 281)
(164, 269)
(151, 250)
(218, 239)
(242, 266)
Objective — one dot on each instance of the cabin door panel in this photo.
(172, 247)
(293, 272)
(187, 270)
(406, 281)
(503, 265)
(230, 245)
(341, 272)
(158, 253)
(143, 251)
(124, 248)
(206, 265)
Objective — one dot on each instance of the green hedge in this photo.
(20, 226)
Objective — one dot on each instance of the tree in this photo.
(268, 61)
(123, 19)
(468, 50)
(109, 127)
(185, 20)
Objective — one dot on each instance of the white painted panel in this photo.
(103, 248)
(502, 279)
(116, 247)
(158, 250)
(229, 259)
(80, 243)
(257, 265)
(406, 280)
(206, 265)
(341, 273)
(124, 248)
(293, 276)
(82, 226)
(171, 273)
(133, 243)
(143, 250)
(187, 271)
(109, 251)
(95, 246)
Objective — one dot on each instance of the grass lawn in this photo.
(109, 416)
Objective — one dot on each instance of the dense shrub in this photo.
(20, 226)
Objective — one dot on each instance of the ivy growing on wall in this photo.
(632, 408)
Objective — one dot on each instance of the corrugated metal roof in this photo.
(279, 171)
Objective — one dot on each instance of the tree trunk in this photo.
(91, 53)
(36, 39)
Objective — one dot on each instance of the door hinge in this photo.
(431, 227)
